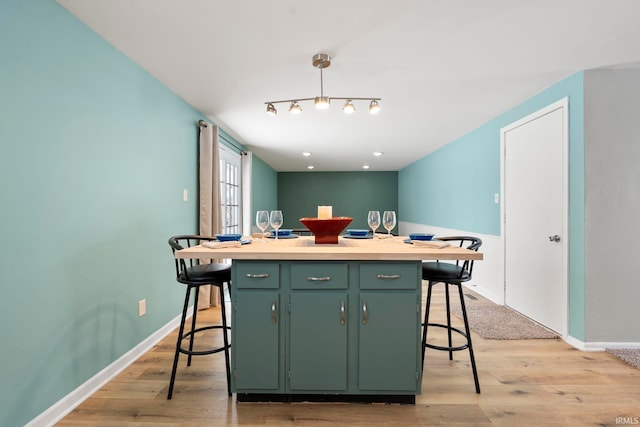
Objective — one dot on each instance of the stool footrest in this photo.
(202, 352)
(457, 348)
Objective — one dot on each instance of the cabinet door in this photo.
(389, 339)
(255, 343)
(318, 341)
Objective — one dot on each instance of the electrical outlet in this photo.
(142, 307)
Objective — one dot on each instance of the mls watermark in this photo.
(627, 420)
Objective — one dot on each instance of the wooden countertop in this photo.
(304, 248)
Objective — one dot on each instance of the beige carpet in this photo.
(496, 322)
(628, 356)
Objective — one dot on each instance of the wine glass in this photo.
(262, 221)
(389, 221)
(276, 221)
(374, 221)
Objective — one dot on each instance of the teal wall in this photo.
(454, 186)
(264, 181)
(351, 194)
(94, 156)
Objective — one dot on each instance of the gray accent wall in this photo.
(351, 194)
(612, 205)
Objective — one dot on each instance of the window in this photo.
(230, 190)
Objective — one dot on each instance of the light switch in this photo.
(142, 307)
(496, 198)
(185, 195)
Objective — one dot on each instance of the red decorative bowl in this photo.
(326, 230)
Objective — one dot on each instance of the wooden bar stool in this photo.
(454, 275)
(193, 274)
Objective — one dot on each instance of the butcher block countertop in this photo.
(304, 248)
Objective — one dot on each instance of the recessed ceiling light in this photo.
(378, 153)
(310, 167)
(306, 154)
(365, 166)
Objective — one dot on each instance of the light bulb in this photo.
(374, 107)
(321, 102)
(348, 107)
(295, 108)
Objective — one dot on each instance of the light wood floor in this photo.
(524, 383)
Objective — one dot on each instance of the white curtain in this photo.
(210, 214)
(246, 168)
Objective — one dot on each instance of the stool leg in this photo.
(466, 328)
(426, 321)
(193, 325)
(178, 343)
(226, 338)
(446, 294)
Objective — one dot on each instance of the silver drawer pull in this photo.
(342, 312)
(274, 318)
(388, 276)
(319, 279)
(258, 276)
(364, 313)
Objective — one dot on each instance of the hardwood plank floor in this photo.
(524, 383)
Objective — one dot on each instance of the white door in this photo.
(535, 216)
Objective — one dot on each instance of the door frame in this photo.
(564, 105)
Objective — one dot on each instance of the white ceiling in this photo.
(442, 68)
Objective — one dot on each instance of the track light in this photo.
(322, 102)
(348, 107)
(374, 107)
(295, 108)
(271, 109)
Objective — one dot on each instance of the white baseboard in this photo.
(620, 345)
(581, 345)
(58, 410)
(600, 345)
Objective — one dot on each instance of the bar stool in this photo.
(193, 274)
(455, 275)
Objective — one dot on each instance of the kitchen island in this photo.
(327, 322)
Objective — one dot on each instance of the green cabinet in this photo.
(256, 338)
(389, 327)
(387, 354)
(318, 341)
(256, 341)
(320, 327)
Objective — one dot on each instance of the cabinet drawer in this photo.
(319, 276)
(389, 275)
(257, 275)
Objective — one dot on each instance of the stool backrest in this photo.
(186, 241)
(468, 242)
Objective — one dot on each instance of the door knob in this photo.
(554, 238)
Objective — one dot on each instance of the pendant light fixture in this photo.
(322, 102)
